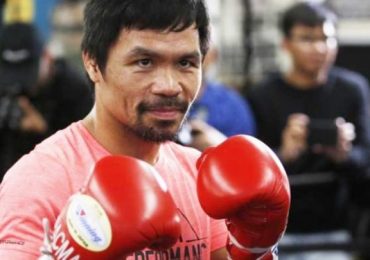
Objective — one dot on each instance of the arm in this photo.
(359, 154)
(352, 150)
(16, 255)
(27, 194)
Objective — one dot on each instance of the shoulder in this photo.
(59, 158)
(33, 178)
(40, 183)
(271, 79)
(214, 91)
(348, 77)
(229, 95)
(49, 151)
(266, 92)
(61, 144)
(41, 165)
(37, 186)
(267, 85)
(349, 84)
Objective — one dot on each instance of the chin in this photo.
(159, 137)
(314, 72)
(158, 131)
(157, 134)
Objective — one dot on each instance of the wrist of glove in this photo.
(245, 243)
(237, 251)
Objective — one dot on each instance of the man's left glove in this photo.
(243, 181)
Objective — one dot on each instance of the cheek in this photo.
(126, 102)
(301, 57)
(124, 108)
(194, 85)
(117, 99)
(124, 91)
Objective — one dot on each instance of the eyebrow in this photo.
(140, 51)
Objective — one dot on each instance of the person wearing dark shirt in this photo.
(278, 101)
(39, 94)
(316, 117)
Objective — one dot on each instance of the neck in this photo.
(118, 140)
(304, 80)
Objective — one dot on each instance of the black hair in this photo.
(104, 19)
(305, 13)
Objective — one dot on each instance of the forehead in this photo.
(161, 41)
(327, 29)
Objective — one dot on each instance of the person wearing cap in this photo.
(39, 94)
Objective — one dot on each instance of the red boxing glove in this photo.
(124, 207)
(243, 181)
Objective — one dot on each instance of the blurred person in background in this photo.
(43, 11)
(315, 116)
(39, 94)
(218, 112)
(67, 23)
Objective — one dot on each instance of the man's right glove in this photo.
(123, 207)
(243, 181)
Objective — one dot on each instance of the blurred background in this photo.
(248, 34)
(245, 31)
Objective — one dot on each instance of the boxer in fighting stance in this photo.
(114, 185)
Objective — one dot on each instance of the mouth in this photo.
(317, 59)
(165, 113)
(165, 109)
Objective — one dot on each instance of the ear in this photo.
(285, 44)
(211, 57)
(91, 67)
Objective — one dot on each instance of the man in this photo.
(39, 94)
(315, 116)
(144, 60)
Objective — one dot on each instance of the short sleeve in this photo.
(28, 193)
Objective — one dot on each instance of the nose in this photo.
(166, 83)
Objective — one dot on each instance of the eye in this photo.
(186, 64)
(145, 63)
(307, 39)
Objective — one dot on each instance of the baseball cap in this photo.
(20, 52)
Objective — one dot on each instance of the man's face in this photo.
(149, 82)
(313, 49)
